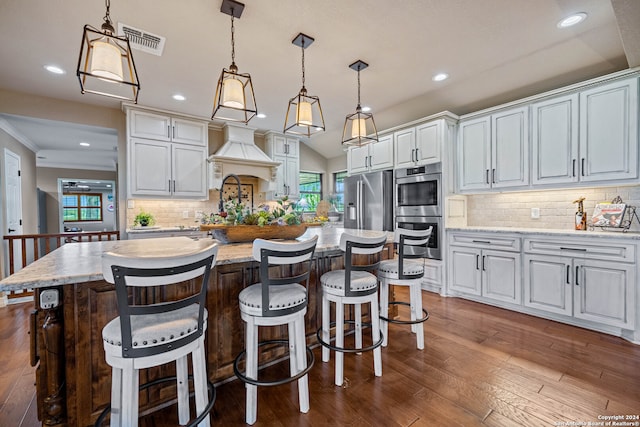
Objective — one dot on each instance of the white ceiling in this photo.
(494, 51)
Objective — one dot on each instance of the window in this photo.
(338, 179)
(82, 207)
(310, 191)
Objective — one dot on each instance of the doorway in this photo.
(87, 205)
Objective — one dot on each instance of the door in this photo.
(428, 143)
(381, 153)
(351, 201)
(605, 292)
(405, 148)
(358, 158)
(609, 132)
(474, 154)
(501, 276)
(548, 282)
(150, 168)
(189, 171)
(464, 271)
(555, 140)
(148, 125)
(510, 148)
(13, 209)
(373, 208)
(189, 132)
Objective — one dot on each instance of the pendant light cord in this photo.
(303, 62)
(358, 86)
(233, 41)
(107, 26)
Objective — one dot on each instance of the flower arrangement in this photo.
(283, 213)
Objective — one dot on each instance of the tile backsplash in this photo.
(557, 210)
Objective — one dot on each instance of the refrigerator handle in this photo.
(360, 205)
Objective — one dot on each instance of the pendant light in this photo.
(359, 128)
(304, 114)
(105, 63)
(234, 99)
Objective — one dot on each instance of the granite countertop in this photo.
(81, 262)
(597, 232)
(154, 229)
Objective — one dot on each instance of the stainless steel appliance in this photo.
(418, 191)
(418, 203)
(434, 248)
(368, 201)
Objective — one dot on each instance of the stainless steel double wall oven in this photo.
(418, 194)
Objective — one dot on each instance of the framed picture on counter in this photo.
(608, 214)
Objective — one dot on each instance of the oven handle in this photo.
(419, 178)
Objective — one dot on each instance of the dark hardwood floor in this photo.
(481, 366)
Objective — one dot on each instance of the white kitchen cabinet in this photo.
(285, 150)
(609, 132)
(164, 169)
(418, 146)
(143, 124)
(493, 151)
(554, 144)
(476, 268)
(370, 157)
(587, 280)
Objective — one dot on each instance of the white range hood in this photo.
(241, 156)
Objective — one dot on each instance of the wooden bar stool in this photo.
(150, 331)
(404, 270)
(356, 284)
(279, 299)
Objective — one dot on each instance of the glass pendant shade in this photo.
(358, 128)
(105, 63)
(232, 93)
(304, 113)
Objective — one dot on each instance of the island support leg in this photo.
(52, 334)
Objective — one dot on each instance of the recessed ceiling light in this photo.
(572, 20)
(261, 116)
(366, 109)
(179, 97)
(85, 144)
(54, 69)
(440, 77)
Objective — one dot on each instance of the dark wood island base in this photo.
(73, 380)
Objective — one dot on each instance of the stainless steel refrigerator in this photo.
(368, 201)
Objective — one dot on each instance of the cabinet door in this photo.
(280, 189)
(358, 159)
(510, 148)
(474, 154)
(148, 125)
(189, 132)
(548, 283)
(381, 153)
(405, 148)
(609, 132)
(555, 140)
(464, 270)
(150, 168)
(292, 177)
(189, 171)
(428, 138)
(501, 278)
(605, 292)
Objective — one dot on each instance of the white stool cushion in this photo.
(280, 297)
(151, 329)
(389, 268)
(333, 281)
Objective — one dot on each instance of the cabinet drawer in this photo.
(490, 241)
(591, 249)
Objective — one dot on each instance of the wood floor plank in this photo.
(480, 366)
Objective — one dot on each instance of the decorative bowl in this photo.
(248, 233)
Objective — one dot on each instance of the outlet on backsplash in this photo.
(535, 213)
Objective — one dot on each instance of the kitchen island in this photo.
(73, 380)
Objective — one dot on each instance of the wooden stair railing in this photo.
(48, 243)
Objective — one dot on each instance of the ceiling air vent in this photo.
(142, 40)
